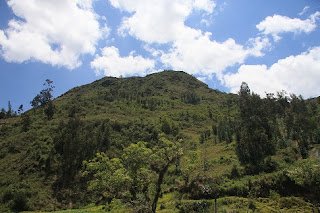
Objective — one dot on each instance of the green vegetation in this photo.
(164, 143)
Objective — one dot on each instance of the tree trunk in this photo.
(215, 206)
(158, 189)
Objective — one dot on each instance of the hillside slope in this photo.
(43, 161)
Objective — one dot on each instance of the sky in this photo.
(271, 45)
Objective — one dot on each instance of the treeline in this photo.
(264, 126)
(273, 138)
(43, 99)
(276, 122)
(10, 113)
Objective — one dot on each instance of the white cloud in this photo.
(305, 9)
(155, 21)
(154, 52)
(163, 22)
(315, 17)
(205, 5)
(295, 74)
(205, 22)
(53, 32)
(278, 24)
(206, 57)
(202, 79)
(257, 45)
(111, 64)
(203, 56)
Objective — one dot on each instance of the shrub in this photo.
(270, 164)
(198, 206)
(252, 206)
(235, 173)
(234, 188)
(16, 197)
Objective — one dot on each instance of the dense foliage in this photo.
(165, 141)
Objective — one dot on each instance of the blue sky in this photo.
(272, 45)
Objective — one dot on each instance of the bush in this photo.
(270, 164)
(291, 202)
(235, 188)
(290, 155)
(16, 197)
(235, 173)
(198, 206)
(252, 206)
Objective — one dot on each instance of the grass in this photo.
(96, 209)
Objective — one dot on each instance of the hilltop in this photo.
(166, 136)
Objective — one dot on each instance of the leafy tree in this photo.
(74, 144)
(135, 171)
(49, 110)
(190, 98)
(20, 109)
(164, 154)
(189, 163)
(300, 124)
(135, 159)
(169, 127)
(25, 122)
(110, 178)
(44, 99)
(3, 113)
(204, 135)
(225, 131)
(256, 139)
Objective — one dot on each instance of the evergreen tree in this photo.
(256, 139)
(9, 112)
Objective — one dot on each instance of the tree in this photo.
(73, 144)
(3, 113)
(138, 169)
(299, 123)
(44, 99)
(135, 159)
(110, 178)
(256, 137)
(20, 109)
(164, 154)
(25, 122)
(9, 112)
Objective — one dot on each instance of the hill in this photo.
(165, 140)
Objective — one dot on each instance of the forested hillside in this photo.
(166, 143)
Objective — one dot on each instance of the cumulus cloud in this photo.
(295, 74)
(53, 32)
(203, 56)
(205, 5)
(277, 24)
(163, 22)
(207, 57)
(112, 64)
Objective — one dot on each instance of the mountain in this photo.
(167, 140)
